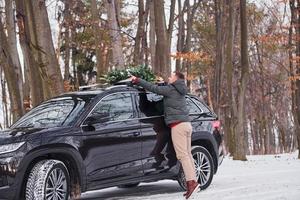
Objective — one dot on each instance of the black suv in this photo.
(100, 138)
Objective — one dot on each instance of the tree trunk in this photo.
(152, 35)
(116, 39)
(295, 82)
(229, 117)
(12, 44)
(4, 97)
(10, 75)
(171, 22)
(67, 23)
(137, 55)
(219, 54)
(181, 34)
(297, 92)
(46, 49)
(240, 133)
(162, 56)
(98, 37)
(191, 10)
(34, 75)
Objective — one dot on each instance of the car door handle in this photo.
(135, 134)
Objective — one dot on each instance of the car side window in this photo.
(192, 107)
(201, 105)
(117, 106)
(150, 104)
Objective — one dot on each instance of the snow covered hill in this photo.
(269, 177)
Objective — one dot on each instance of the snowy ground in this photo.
(271, 177)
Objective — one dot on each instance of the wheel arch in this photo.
(64, 153)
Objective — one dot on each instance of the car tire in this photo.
(47, 178)
(131, 185)
(204, 168)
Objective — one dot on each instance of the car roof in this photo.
(94, 91)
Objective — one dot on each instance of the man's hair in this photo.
(179, 74)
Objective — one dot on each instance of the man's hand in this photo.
(134, 79)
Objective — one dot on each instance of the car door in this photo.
(157, 149)
(112, 146)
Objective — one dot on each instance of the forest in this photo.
(241, 57)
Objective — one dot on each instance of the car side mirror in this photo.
(95, 119)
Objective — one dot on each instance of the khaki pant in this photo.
(182, 141)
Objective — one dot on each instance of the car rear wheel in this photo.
(48, 179)
(204, 168)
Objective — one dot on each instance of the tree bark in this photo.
(31, 65)
(181, 34)
(67, 23)
(297, 81)
(171, 22)
(4, 97)
(12, 44)
(152, 35)
(219, 54)
(11, 77)
(46, 49)
(114, 29)
(137, 55)
(240, 133)
(229, 117)
(98, 37)
(162, 56)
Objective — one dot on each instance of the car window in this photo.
(150, 104)
(201, 105)
(192, 107)
(117, 106)
(56, 112)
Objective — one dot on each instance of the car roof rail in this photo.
(93, 87)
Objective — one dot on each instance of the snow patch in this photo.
(266, 177)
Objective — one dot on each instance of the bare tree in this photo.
(220, 39)
(115, 35)
(45, 47)
(67, 38)
(295, 80)
(97, 34)
(162, 52)
(152, 33)
(12, 44)
(229, 112)
(11, 77)
(34, 77)
(138, 54)
(240, 153)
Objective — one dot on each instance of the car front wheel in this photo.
(48, 179)
(204, 168)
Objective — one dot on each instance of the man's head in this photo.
(175, 76)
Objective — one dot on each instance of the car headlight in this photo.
(7, 148)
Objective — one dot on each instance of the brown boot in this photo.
(192, 187)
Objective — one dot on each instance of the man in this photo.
(177, 118)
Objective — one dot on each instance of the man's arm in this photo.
(162, 90)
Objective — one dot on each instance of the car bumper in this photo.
(6, 193)
(8, 177)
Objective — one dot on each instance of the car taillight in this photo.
(216, 124)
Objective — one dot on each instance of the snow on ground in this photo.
(268, 177)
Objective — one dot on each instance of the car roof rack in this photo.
(93, 87)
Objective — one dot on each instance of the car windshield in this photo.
(55, 112)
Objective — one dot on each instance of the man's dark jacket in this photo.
(175, 108)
